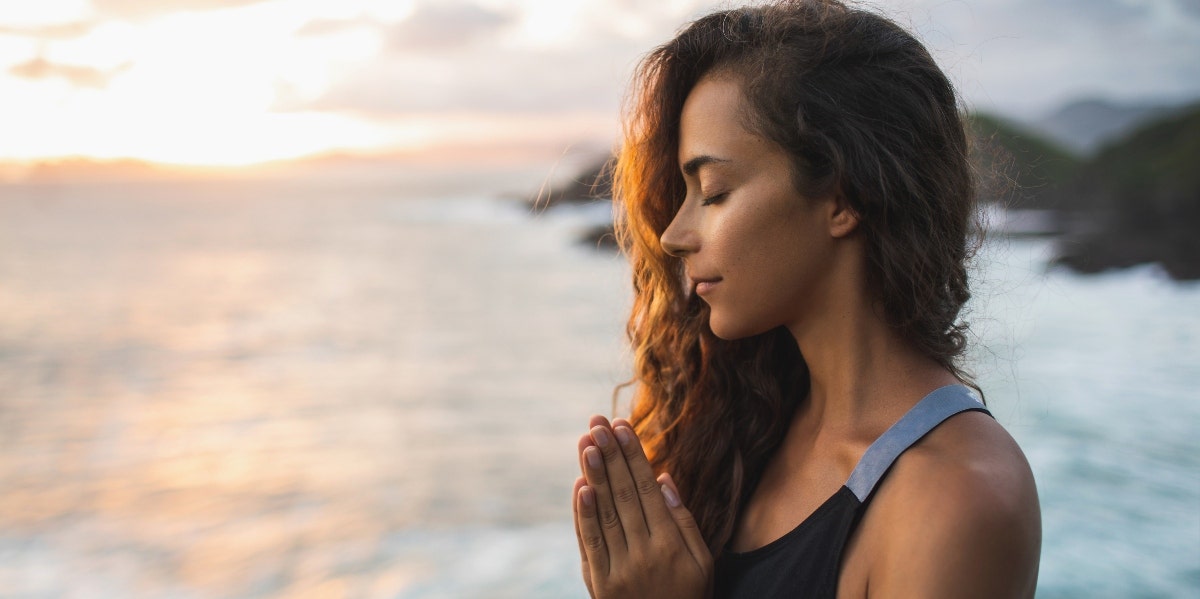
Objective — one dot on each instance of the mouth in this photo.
(703, 286)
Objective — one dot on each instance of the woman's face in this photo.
(755, 250)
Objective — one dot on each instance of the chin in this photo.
(732, 331)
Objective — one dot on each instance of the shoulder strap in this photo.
(931, 411)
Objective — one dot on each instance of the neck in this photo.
(864, 376)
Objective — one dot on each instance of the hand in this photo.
(635, 537)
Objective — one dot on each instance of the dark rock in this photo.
(1138, 201)
(589, 185)
(1177, 254)
(599, 237)
(1017, 168)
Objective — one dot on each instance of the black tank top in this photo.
(806, 561)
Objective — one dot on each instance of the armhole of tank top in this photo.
(931, 411)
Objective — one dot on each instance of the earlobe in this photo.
(843, 220)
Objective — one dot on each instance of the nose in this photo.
(680, 239)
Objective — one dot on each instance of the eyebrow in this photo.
(693, 166)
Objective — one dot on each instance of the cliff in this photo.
(1017, 168)
(1138, 201)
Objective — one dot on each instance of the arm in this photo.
(635, 538)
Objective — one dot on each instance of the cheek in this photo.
(765, 269)
(743, 235)
(765, 248)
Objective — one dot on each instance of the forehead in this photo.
(712, 122)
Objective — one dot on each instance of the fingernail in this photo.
(600, 434)
(624, 435)
(585, 495)
(670, 496)
(592, 455)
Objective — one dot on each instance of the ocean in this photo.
(278, 389)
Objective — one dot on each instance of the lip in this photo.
(703, 286)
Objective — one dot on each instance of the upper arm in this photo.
(970, 528)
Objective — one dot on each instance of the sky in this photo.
(242, 82)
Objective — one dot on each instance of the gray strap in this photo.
(931, 411)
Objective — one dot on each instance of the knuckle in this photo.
(625, 494)
(612, 452)
(609, 518)
(593, 542)
(686, 521)
(598, 478)
(647, 487)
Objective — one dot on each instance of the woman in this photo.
(797, 205)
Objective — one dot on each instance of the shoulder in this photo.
(957, 516)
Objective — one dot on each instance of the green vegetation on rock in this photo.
(1138, 201)
(1016, 167)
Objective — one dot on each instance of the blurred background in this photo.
(277, 318)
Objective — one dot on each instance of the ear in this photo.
(843, 220)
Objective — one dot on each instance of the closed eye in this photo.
(713, 199)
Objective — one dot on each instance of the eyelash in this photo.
(713, 199)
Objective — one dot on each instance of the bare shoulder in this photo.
(957, 516)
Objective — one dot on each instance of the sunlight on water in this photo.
(236, 392)
(263, 390)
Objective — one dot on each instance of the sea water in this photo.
(251, 389)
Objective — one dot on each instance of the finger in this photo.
(658, 517)
(591, 533)
(686, 523)
(579, 483)
(598, 420)
(621, 486)
(583, 554)
(605, 507)
(596, 477)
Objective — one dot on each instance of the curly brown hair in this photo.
(862, 108)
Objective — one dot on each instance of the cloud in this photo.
(79, 76)
(440, 26)
(139, 9)
(1189, 6)
(432, 27)
(463, 57)
(511, 82)
(1026, 57)
(58, 31)
(320, 27)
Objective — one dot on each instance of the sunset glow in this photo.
(220, 87)
(240, 82)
